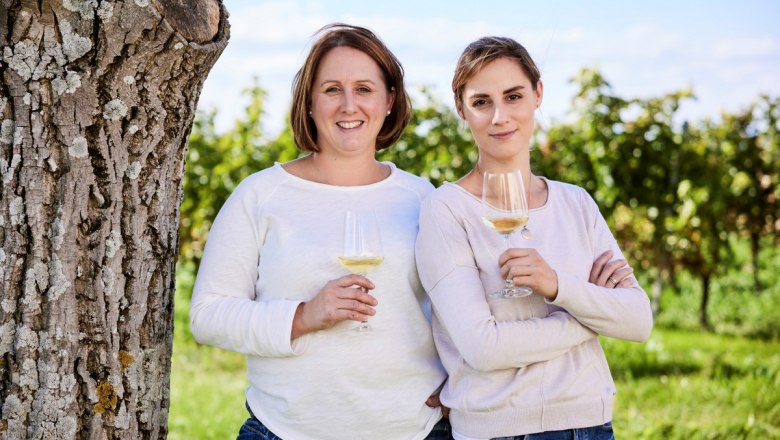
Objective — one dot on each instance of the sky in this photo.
(727, 52)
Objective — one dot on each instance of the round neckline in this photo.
(478, 200)
(291, 176)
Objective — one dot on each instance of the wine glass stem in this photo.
(510, 283)
(363, 326)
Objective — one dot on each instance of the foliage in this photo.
(736, 308)
(435, 145)
(217, 162)
(674, 193)
(207, 384)
(694, 206)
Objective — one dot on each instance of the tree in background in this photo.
(218, 162)
(747, 144)
(628, 155)
(96, 102)
(435, 145)
(674, 193)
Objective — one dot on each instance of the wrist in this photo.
(298, 325)
(554, 293)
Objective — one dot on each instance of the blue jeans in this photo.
(441, 431)
(602, 432)
(253, 429)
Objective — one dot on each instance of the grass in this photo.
(693, 385)
(681, 384)
(207, 394)
(207, 384)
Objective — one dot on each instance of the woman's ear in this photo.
(459, 109)
(390, 100)
(539, 93)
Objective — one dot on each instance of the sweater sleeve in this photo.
(224, 310)
(623, 313)
(450, 276)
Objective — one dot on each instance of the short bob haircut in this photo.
(338, 35)
(481, 52)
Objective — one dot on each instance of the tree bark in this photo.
(96, 103)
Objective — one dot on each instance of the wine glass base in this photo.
(518, 292)
(363, 327)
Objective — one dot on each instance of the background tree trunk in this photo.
(96, 103)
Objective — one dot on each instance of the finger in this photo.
(623, 272)
(513, 267)
(353, 315)
(357, 306)
(512, 253)
(357, 293)
(618, 276)
(530, 258)
(433, 401)
(614, 265)
(445, 411)
(626, 282)
(354, 280)
(608, 276)
(598, 266)
(345, 310)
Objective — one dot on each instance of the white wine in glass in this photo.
(360, 265)
(362, 247)
(505, 210)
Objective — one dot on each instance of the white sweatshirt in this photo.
(521, 366)
(276, 243)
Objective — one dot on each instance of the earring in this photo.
(309, 112)
(388, 113)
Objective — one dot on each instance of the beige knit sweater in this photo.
(520, 366)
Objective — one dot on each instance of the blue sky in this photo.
(728, 52)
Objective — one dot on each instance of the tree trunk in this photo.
(96, 103)
(755, 249)
(705, 299)
(657, 289)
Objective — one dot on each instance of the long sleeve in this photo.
(623, 313)
(275, 244)
(450, 275)
(561, 376)
(225, 311)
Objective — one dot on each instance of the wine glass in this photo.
(362, 246)
(505, 210)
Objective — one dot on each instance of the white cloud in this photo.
(729, 48)
(640, 57)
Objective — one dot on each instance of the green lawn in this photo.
(681, 384)
(694, 386)
(207, 386)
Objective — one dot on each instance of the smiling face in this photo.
(498, 104)
(349, 102)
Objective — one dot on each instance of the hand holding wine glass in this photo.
(362, 246)
(505, 210)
